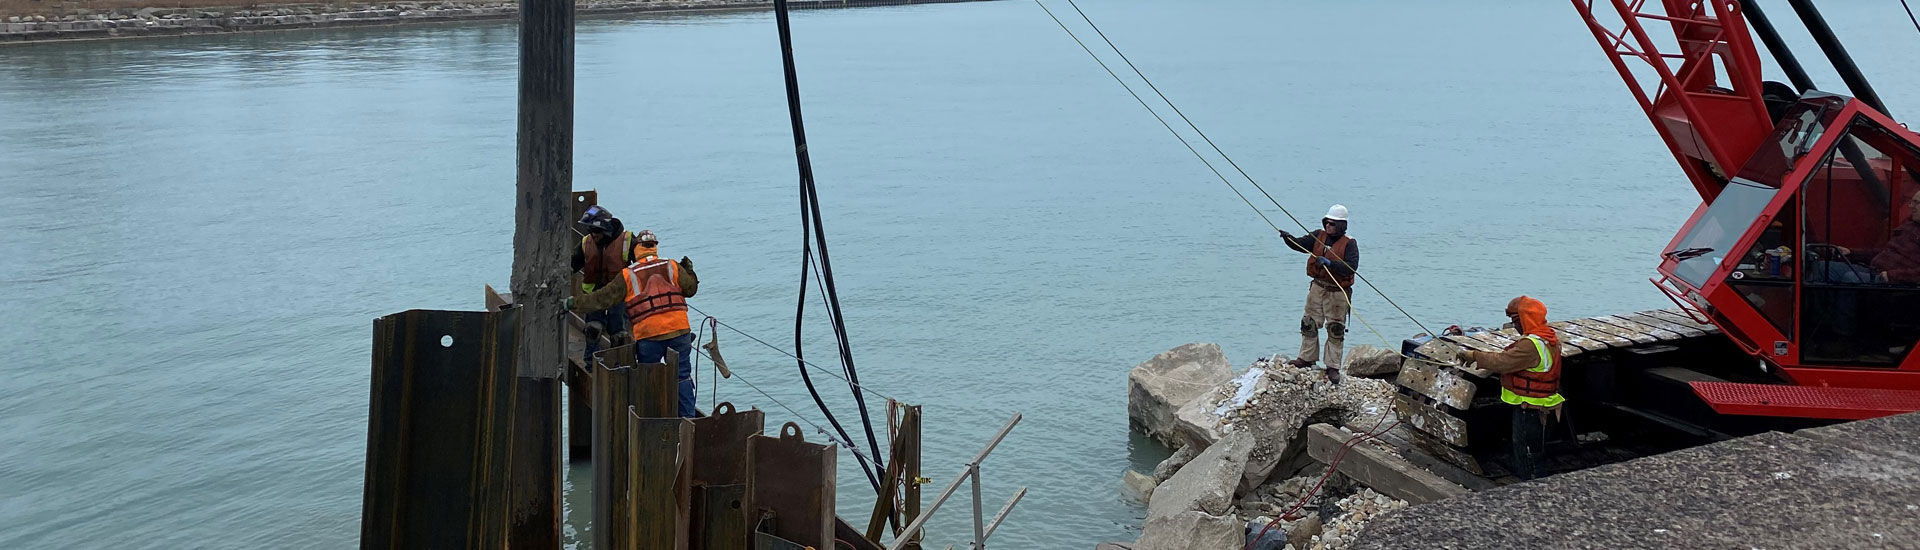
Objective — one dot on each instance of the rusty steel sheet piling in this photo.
(723, 476)
(660, 478)
(721, 455)
(439, 426)
(623, 387)
(794, 481)
(720, 515)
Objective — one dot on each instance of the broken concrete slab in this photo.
(1191, 530)
(1206, 484)
(1157, 388)
(1364, 360)
(1276, 402)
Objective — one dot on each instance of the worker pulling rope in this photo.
(1222, 177)
(1216, 148)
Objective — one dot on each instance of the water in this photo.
(198, 231)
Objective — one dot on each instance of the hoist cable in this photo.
(1163, 121)
(1916, 22)
(1216, 148)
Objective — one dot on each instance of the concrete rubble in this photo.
(1208, 483)
(1242, 452)
(1275, 402)
(1369, 361)
(1159, 386)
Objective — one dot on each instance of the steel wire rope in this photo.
(1916, 22)
(1223, 154)
(796, 414)
(757, 340)
(1223, 179)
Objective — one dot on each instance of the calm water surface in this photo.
(196, 233)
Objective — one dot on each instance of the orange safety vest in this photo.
(1539, 385)
(654, 302)
(1337, 252)
(602, 264)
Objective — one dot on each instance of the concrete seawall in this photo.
(83, 24)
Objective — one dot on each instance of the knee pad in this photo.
(1308, 326)
(1336, 330)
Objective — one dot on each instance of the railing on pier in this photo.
(970, 473)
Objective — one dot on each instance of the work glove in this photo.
(568, 303)
(686, 262)
(1284, 233)
(1324, 261)
(1466, 357)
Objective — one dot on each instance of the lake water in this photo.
(196, 233)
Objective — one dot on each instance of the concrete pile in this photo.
(1241, 448)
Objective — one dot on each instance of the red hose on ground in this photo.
(1332, 466)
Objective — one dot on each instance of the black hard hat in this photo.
(598, 220)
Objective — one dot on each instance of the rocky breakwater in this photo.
(69, 21)
(1241, 457)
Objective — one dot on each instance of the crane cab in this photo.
(1810, 257)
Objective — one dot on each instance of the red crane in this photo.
(1806, 249)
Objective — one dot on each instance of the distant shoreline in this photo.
(74, 23)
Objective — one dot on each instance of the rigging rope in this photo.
(1348, 295)
(796, 414)
(789, 354)
(1916, 22)
(1216, 149)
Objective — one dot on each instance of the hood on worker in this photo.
(1532, 317)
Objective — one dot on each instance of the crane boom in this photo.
(1710, 124)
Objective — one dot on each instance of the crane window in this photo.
(1862, 251)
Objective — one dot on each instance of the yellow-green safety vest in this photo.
(1546, 363)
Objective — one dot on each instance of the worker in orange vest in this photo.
(655, 292)
(1529, 370)
(1332, 258)
(606, 249)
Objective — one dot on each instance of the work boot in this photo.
(1299, 363)
(1333, 375)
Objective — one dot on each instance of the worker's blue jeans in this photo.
(655, 351)
(613, 321)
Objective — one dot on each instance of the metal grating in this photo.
(1805, 401)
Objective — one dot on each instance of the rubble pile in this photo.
(1237, 432)
(1352, 513)
(1334, 526)
(1275, 402)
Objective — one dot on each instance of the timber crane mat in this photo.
(1628, 387)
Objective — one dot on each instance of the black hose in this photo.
(812, 230)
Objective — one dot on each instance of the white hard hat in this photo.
(1337, 213)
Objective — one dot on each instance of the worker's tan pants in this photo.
(1327, 307)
